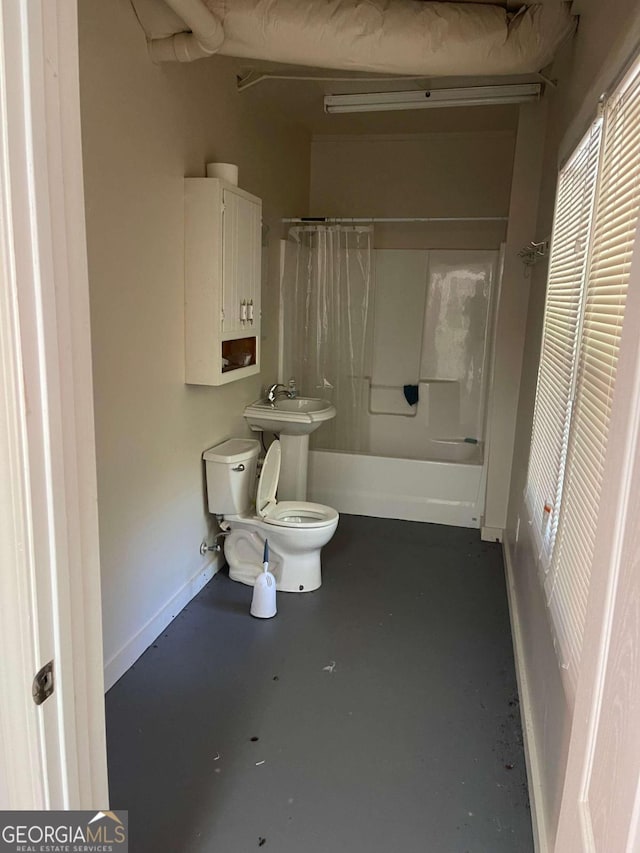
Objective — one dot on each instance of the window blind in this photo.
(612, 240)
(556, 373)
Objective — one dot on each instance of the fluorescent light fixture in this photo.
(429, 98)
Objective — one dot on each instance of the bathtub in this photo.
(446, 488)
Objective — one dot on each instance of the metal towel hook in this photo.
(534, 252)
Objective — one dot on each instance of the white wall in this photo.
(602, 44)
(511, 316)
(464, 173)
(144, 128)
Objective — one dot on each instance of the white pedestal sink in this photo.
(294, 420)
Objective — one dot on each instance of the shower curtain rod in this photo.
(320, 220)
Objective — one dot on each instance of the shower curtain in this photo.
(326, 296)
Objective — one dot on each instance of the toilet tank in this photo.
(231, 475)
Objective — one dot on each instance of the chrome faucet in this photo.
(272, 393)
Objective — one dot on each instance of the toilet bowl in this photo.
(296, 530)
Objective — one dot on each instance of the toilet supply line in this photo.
(296, 530)
(217, 547)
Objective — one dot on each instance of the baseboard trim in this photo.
(491, 534)
(123, 659)
(531, 753)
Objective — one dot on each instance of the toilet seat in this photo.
(292, 514)
(301, 514)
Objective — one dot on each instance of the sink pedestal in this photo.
(294, 419)
(293, 470)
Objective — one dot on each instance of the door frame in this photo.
(611, 588)
(52, 755)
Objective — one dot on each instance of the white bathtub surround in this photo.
(394, 428)
(427, 322)
(388, 400)
(325, 303)
(441, 492)
(430, 327)
(398, 312)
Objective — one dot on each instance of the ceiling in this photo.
(159, 20)
(301, 100)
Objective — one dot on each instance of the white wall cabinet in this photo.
(223, 237)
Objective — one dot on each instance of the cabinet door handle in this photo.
(250, 310)
(243, 311)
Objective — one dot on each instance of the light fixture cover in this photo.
(429, 98)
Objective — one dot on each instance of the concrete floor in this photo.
(233, 733)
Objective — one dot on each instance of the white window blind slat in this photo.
(615, 218)
(556, 374)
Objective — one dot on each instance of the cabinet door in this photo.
(240, 269)
(255, 259)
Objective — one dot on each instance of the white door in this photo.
(52, 755)
(601, 803)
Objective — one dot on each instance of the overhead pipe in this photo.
(404, 37)
(205, 39)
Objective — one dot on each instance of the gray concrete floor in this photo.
(231, 734)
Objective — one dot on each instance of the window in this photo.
(556, 375)
(588, 279)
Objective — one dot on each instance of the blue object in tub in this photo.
(411, 393)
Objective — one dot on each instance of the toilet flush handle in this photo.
(239, 467)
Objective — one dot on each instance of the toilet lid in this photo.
(268, 482)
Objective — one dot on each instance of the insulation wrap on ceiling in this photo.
(387, 36)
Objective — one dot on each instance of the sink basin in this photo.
(300, 416)
(294, 420)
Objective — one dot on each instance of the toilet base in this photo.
(293, 571)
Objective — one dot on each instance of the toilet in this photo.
(296, 530)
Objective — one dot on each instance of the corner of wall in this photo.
(143, 129)
(512, 311)
(545, 710)
(135, 646)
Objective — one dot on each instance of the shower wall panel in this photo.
(430, 329)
